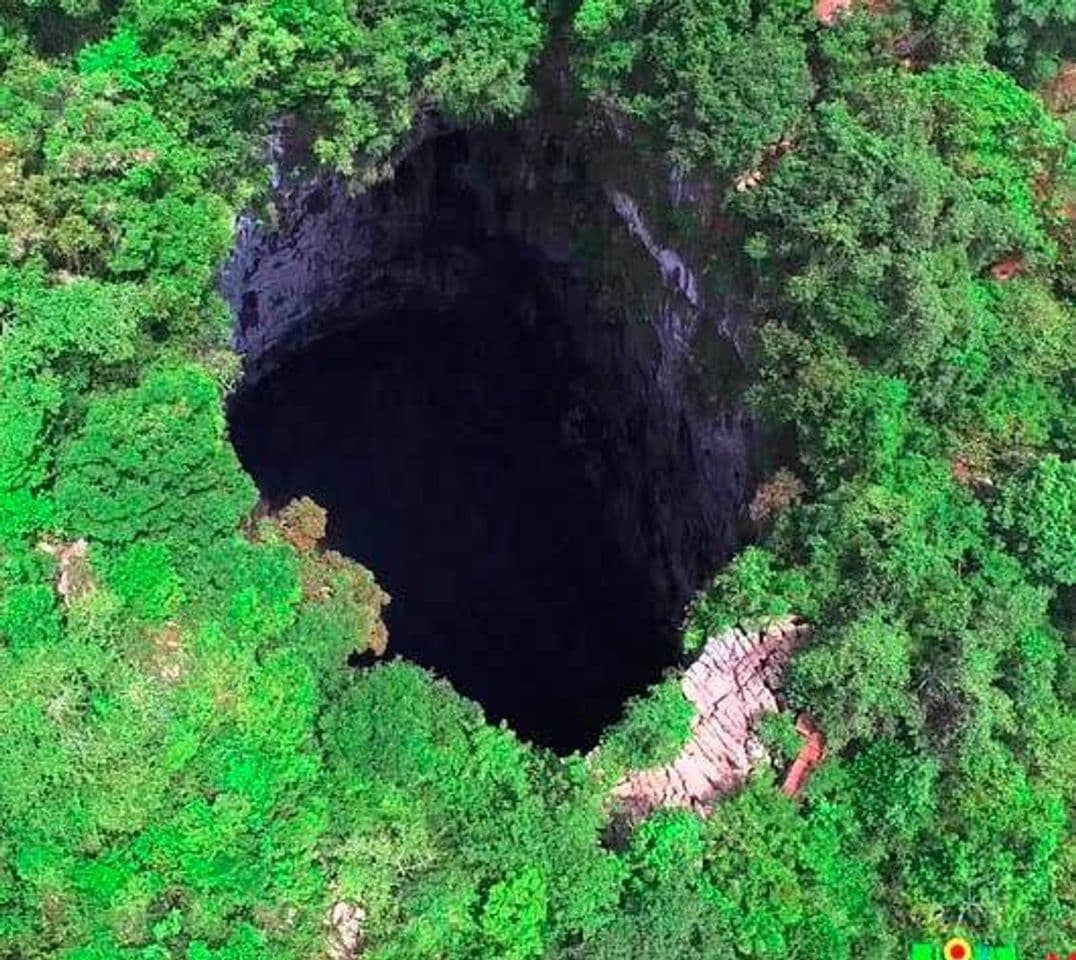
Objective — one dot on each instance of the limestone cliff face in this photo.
(668, 442)
(732, 684)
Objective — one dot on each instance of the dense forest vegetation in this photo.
(189, 769)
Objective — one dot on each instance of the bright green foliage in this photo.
(720, 81)
(651, 732)
(1003, 141)
(824, 908)
(153, 768)
(662, 914)
(754, 880)
(778, 734)
(931, 403)
(1037, 510)
(515, 915)
(28, 615)
(145, 577)
(750, 589)
(25, 409)
(1011, 367)
(884, 228)
(861, 676)
(459, 839)
(82, 331)
(356, 72)
(153, 461)
(164, 790)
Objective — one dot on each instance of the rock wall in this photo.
(733, 682)
(673, 461)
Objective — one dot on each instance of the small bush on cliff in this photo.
(653, 729)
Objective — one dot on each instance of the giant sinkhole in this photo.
(500, 396)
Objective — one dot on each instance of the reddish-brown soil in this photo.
(810, 756)
(827, 10)
(1060, 93)
(1008, 268)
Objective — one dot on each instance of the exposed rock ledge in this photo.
(343, 925)
(732, 683)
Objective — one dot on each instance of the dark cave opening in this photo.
(527, 473)
(437, 443)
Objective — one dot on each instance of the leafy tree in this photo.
(153, 461)
(1034, 35)
(861, 676)
(1037, 510)
(722, 82)
(145, 577)
(751, 588)
(500, 848)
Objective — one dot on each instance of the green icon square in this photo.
(922, 951)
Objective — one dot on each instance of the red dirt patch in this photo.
(827, 10)
(1060, 93)
(1008, 268)
(810, 756)
(972, 475)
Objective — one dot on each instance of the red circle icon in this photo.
(957, 949)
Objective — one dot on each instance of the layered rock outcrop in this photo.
(733, 682)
